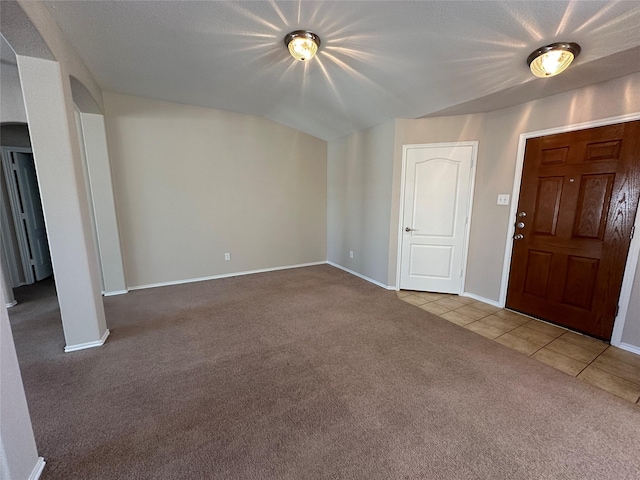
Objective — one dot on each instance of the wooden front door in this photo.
(578, 201)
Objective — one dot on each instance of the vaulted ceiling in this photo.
(378, 59)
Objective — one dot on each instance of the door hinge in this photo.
(633, 230)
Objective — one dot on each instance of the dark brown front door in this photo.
(578, 201)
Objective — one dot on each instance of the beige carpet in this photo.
(308, 373)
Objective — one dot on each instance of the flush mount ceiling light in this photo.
(302, 44)
(552, 59)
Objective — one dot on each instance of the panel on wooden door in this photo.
(437, 188)
(578, 201)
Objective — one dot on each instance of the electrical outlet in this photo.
(227, 256)
(350, 253)
(503, 199)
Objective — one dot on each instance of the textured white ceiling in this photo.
(378, 60)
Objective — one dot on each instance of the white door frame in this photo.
(23, 244)
(9, 252)
(465, 249)
(634, 248)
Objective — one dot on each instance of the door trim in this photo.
(10, 253)
(472, 183)
(634, 248)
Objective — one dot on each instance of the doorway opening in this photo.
(23, 219)
(25, 249)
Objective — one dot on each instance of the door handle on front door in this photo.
(518, 237)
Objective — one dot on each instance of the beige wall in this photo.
(12, 110)
(15, 135)
(58, 162)
(359, 187)
(10, 92)
(18, 454)
(192, 183)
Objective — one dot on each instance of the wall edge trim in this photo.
(364, 277)
(83, 346)
(115, 292)
(629, 348)
(482, 299)
(37, 469)
(223, 275)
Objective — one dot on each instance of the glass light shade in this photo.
(551, 63)
(552, 59)
(302, 44)
(302, 48)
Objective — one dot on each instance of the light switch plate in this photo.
(503, 199)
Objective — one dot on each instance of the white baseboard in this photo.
(371, 280)
(83, 346)
(37, 470)
(11, 304)
(628, 347)
(482, 299)
(224, 275)
(116, 292)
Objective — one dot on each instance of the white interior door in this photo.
(31, 216)
(436, 209)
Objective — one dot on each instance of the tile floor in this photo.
(595, 362)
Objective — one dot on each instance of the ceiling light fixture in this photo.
(302, 44)
(552, 59)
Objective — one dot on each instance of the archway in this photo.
(46, 89)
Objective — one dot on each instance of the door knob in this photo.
(407, 229)
(519, 236)
(522, 214)
(520, 225)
